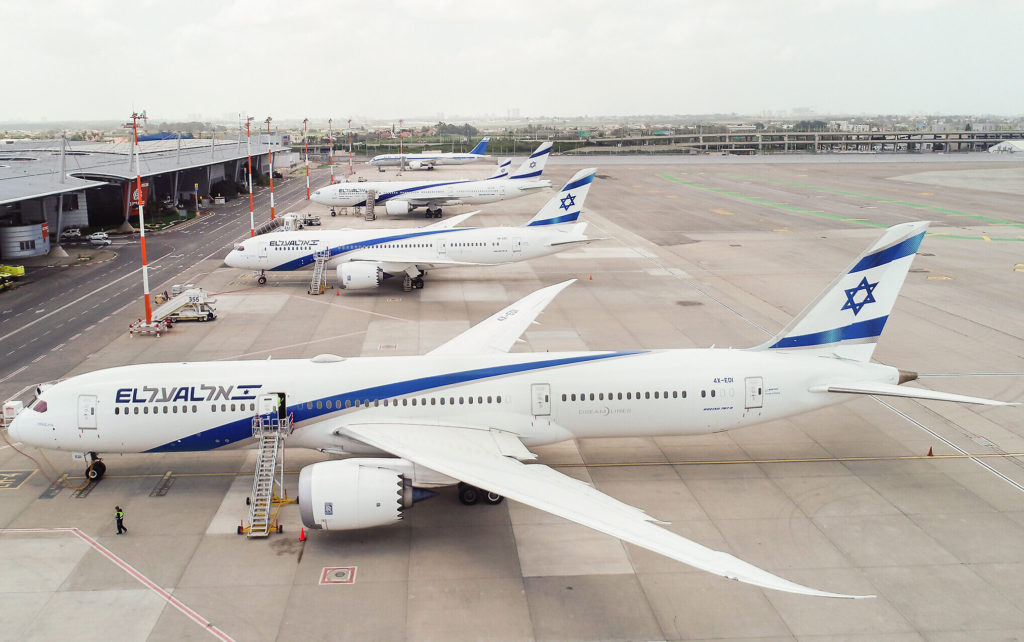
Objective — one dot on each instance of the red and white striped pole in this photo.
(350, 170)
(248, 151)
(271, 152)
(305, 146)
(142, 219)
(330, 139)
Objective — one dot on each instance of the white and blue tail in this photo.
(847, 318)
(481, 147)
(502, 170)
(566, 205)
(534, 165)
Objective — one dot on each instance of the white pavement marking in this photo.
(57, 347)
(13, 373)
(130, 570)
(39, 358)
(67, 305)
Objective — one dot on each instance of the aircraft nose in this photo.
(13, 430)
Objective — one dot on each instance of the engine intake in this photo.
(359, 275)
(353, 493)
(397, 207)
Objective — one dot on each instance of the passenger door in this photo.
(540, 399)
(87, 412)
(755, 392)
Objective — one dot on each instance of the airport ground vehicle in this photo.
(99, 240)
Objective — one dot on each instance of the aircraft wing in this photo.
(890, 390)
(449, 223)
(499, 332)
(478, 457)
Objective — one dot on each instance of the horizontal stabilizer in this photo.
(891, 390)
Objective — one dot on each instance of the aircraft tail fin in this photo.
(847, 318)
(481, 147)
(534, 165)
(502, 170)
(566, 205)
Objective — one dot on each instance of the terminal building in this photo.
(49, 186)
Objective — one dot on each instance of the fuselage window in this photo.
(498, 398)
(348, 403)
(433, 401)
(684, 394)
(442, 401)
(405, 402)
(655, 394)
(564, 397)
(462, 400)
(488, 398)
(145, 410)
(385, 403)
(309, 405)
(600, 396)
(470, 400)
(591, 396)
(479, 399)
(620, 396)
(366, 402)
(573, 396)
(414, 401)
(117, 410)
(376, 403)
(174, 409)
(703, 393)
(223, 407)
(136, 410)
(675, 394)
(629, 395)
(213, 407)
(232, 407)
(712, 393)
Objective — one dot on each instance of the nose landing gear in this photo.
(96, 468)
(262, 278)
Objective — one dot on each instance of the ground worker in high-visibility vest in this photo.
(119, 516)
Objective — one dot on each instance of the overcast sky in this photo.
(101, 59)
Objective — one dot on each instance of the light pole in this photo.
(142, 219)
(330, 140)
(248, 151)
(350, 170)
(271, 151)
(305, 146)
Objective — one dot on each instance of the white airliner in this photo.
(401, 197)
(467, 411)
(427, 160)
(363, 258)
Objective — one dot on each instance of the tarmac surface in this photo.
(698, 252)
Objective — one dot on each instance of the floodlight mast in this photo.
(271, 152)
(350, 170)
(305, 147)
(248, 151)
(330, 138)
(136, 117)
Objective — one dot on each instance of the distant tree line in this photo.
(465, 129)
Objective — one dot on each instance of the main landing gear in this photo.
(410, 283)
(94, 471)
(470, 495)
(433, 212)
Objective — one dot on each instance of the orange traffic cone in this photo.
(591, 277)
(302, 535)
(930, 453)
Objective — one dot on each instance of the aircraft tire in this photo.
(468, 495)
(262, 280)
(95, 470)
(493, 498)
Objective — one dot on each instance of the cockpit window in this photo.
(240, 248)
(40, 407)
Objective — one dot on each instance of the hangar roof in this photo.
(31, 169)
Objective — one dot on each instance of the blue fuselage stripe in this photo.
(889, 254)
(239, 430)
(344, 248)
(859, 330)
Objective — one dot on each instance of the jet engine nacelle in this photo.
(353, 493)
(415, 164)
(397, 207)
(359, 275)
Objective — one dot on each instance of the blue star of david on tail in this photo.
(567, 202)
(851, 294)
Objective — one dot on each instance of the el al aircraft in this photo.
(468, 411)
(427, 160)
(402, 197)
(363, 258)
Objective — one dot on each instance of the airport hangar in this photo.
(89, 181)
